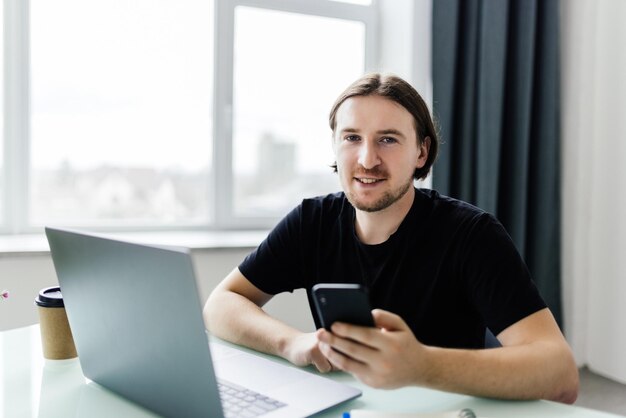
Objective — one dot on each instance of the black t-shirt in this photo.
(449, 271)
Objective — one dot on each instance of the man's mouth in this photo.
(366, 180)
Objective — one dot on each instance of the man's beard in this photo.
(388, 198)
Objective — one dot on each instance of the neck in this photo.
(376, 227)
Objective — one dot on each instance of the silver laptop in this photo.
(136, 318)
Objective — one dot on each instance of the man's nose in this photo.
(368, 155)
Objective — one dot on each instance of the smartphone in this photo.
(343, 302)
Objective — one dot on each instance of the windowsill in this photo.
(36, 244)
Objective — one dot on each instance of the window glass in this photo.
(121, 111)
(288, 70)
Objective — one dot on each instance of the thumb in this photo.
(388, 321)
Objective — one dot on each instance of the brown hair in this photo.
(394, 88)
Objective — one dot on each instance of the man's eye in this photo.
(388, 140)
(352, 138)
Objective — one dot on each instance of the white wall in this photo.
(25, 275)
(594, 181)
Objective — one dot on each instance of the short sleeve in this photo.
(498, 281)
(275, 266)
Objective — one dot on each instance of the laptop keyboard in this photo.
(241, 402)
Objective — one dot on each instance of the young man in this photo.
(439, 270)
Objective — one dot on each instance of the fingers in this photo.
(319, 360)
(389, 321)
(342, 362)
(379, 357)
(372, 337)
(354, 350)
(367, 336)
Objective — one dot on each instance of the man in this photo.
(439, 270)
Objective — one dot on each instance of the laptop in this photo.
(136, 318)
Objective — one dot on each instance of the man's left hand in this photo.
(388, 356)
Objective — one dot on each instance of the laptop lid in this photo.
(136, 317)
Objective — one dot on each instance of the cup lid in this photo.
(50, 297)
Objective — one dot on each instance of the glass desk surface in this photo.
(31, 386)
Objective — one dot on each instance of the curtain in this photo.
(594, 181)
(496, 100)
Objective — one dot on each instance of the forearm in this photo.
(535, 362)
(235, 318)
(539, 370)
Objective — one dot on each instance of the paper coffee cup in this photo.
(56, 335)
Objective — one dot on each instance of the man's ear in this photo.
(424, 149)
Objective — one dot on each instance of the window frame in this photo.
(16, 117)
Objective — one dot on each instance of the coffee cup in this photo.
(56, 335)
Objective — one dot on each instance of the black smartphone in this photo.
(343, 302)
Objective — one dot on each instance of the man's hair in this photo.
(396, 89)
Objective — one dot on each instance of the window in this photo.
(282, 152)
(287, 63)
(120, 112)
(158, 115)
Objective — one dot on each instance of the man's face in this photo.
(377, 151)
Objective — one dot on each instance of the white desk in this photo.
(33, 387)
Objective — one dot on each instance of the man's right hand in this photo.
(303, 350)
(233, 312)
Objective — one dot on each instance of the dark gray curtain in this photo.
(496, 99)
